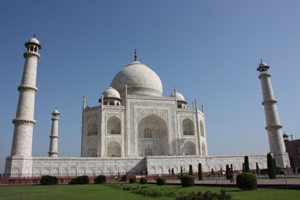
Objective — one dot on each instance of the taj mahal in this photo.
(134, 128)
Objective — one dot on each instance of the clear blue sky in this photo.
(208, 50)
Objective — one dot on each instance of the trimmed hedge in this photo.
(187, 181)
(49, 180)
(100, 179)
(143, 180)
(80, 180)
(161, 181)
(246, 180)
(132, 180)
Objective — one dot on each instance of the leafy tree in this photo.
(246, 161)
(199, 171)
(271, 168)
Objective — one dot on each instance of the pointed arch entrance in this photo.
(153, 136)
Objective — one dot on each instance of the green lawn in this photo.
(93, 192)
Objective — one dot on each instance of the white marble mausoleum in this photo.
(134, 128)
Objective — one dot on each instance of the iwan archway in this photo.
(153, 136)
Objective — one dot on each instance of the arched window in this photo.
(188, 127)
(148, 133)
(113, 149)
(148, 152)
(202, 129)
(92, 127)
(114, 125)
(203, 148)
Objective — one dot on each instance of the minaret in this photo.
(24, 122)
(273, 126)
(54, 135)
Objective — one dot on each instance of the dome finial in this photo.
(261, 60)
(34, 35)
(135, 55)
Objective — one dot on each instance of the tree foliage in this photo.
(271, 167)
(199, 171)
(246, 161)
(191, 170)
(227, 172)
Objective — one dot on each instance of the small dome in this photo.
(285, 135)
(111, 93)
(33, 40)
(140, 80)
(262, 64)
(179, 96)
(55, 113)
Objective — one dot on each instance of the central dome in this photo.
(140, 80)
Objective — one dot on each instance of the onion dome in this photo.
(140, 80)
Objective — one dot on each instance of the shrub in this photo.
(80, 180)
(246, 180)
(207, 196)
(100, 179)
(143, 180)
(49, 180)
(132, 180)
(187, 181)
(161, 181)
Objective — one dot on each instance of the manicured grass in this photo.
(103, 192)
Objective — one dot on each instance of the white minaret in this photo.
(24, 122)
(273, 126)
(54, 135)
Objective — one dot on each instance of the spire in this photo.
(135, 55)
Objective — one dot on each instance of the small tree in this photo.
(227, 172)
(191, 170)
(173, 171)
(180, 171)
(199, 171)
(293, 165)
(271, 168)
(246, 161)
(212, 171)
(243, 170)
(257, 169)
